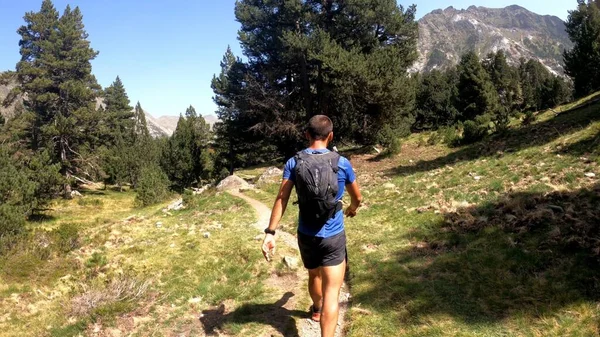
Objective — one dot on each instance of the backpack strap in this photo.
(300, 156)
(335, 161)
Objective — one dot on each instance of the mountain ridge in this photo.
(446, 34)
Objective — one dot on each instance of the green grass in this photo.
(498, 238)
(520, 260)
(187, 273)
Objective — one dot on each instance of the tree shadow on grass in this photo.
(41, 218)
(512, 140)
(92, 192)
(587, 146)
(526, 255)
(275, 315)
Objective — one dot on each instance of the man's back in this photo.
(345, 176)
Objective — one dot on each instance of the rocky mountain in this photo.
(155, 128)
(444, 35)
(6, 85)
(166, 125)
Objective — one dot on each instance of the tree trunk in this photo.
(322, 92)
(306, 86)
(304, 75)
(64, 169)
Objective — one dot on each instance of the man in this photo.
(319, 176)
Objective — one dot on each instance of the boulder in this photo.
(291, 262)
(175, 206)
(76, 194)
(198, 191)
(233, 183)
(271, 175)
(389, 186)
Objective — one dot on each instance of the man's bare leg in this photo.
(333, 278)
(315, 290)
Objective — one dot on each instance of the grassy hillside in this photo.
(137, 272)
(494, 239)
(499, 238)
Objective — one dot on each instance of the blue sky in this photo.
(166, 52)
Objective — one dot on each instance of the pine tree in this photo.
(187, 159)
(140, 126)
(534, 77)
(143, 151)
(27, 183)
(55, 75)
(436, 98)
(118, 113)
(130, 150)
(477, 95)
(582, 62)
(345, 59)
(556, 92)
(506, 81)
(236, 142)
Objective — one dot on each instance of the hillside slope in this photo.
(497, 238)
(444, 35)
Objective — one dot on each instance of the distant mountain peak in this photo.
(445, 35)
(166, 125)
(516, 7)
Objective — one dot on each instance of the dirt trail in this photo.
(305, 327)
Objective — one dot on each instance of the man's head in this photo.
(320, 128)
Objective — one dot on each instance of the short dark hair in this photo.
(319, 127)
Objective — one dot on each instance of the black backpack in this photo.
(317, 187)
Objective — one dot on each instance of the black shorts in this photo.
(322, 252)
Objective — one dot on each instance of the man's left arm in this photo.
(276, 214)
(281, 202)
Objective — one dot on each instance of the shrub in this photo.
(449, 135)
(187, 197)
(96, 264)
(434, 139)
(224, 173)
(394, 148)
(475, 130)
(100, 300)
(12, 220)
(529, 118)
(387, 136)
(152, 186)
(39, 242)
(66, 238)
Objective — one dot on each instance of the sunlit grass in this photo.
(418, 270)
(187, 271)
